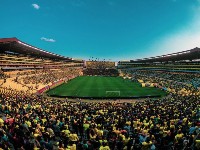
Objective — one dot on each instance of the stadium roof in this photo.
(193, 54)
(14, 45)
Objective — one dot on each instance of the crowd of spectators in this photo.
(24, 59)
(100, 64)
(170, 80)
(2, 75)
(36, 79)
(102, 72)
(28, 121)
(188, 78)
(46, 76)
(32, 122)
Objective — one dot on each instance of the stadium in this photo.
(115, 76)
(33, 76)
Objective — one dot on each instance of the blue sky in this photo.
(105, 29)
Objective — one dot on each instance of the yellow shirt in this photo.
(66, 132)
(100, 133)
(73, 137)
(179, 136)
(104, 148)
(146, 146)
(28, 123)
(1, 122)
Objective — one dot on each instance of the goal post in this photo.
(112, 93)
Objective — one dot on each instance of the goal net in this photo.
(112, 93)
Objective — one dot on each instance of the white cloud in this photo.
(184, 39)
(47, 39)
(36, 6)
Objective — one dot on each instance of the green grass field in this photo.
(96, 87)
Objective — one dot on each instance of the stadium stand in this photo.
(179, 83)
(101, 72)
(103, 68)
(100, 64)
(188, 60)
(31, 69)
(31, 121)
(16, 54)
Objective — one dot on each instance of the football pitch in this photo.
(103, 87)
